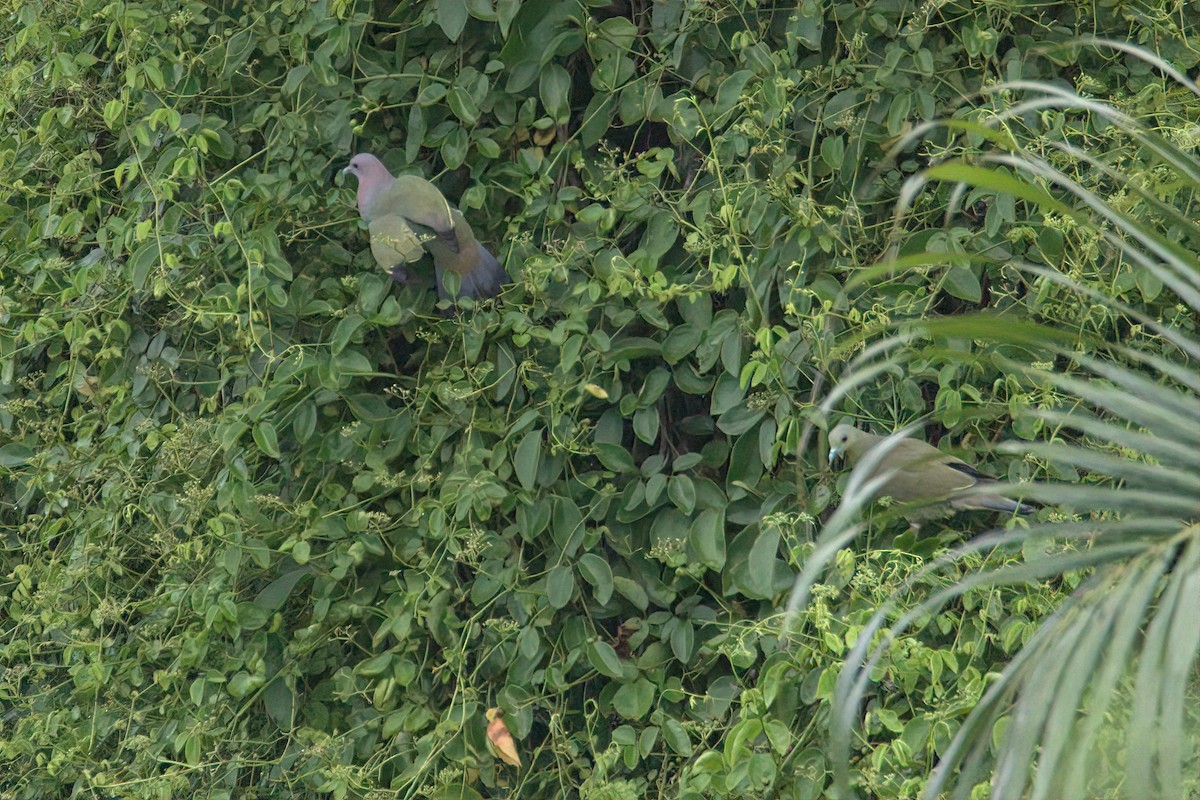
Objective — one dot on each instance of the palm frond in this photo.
(1105, 691)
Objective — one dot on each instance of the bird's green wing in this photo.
(922, 472)
(419, 202)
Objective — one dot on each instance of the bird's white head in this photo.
(841, 439)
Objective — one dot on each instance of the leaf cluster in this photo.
(273, 525)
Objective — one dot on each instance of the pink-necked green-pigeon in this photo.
(407, 214)
(925, 481)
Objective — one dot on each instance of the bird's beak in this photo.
(348, 170)
(834, 454)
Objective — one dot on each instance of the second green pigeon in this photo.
(926, 482)
(407, 216)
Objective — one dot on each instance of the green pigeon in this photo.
(408, 216)
(925, 482)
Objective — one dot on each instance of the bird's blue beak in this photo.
(834, 454)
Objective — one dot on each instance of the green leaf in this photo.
(267, 439)
(682, 492)
(683, 640)
(237, 49)
(727, 394)
(833, 151)
(1149, 284)
(596, 571)
(632, 592)
(416, 130)
(745, 464)
(633, 700)
(962, 283)
(661, 233)
(488, 148)
(568, 528)
(280, 703)
(560, 585)
(454, 150)
(528, 459)
(657, 381)
(898, 112)
(452, 17)
(296, 78)
(14, 454)
(242, 683)
(554, 89)
(276, 593)
(191, 751)
(597, 118)
(739, 419)
(645, 424)
(707, 538)
(455, 791)
(779, 735)
(353, 362)
(462, 105)
(614, 457)
(143, 260)
(676, 737)
(633, 347)
(923, 59)
(681, 342)
(305, 421)
(655, 485)
(375, 666)
(760, 566)
(344, 330)
(604, 659)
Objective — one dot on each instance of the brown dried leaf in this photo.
(501, 739)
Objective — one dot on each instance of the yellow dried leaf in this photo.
(501, 739)
(595, 391)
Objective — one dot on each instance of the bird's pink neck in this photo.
(369, 191)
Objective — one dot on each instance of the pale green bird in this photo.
(926, 482)
(407, 216)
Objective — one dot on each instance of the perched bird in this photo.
(926, 482)
(407, 214)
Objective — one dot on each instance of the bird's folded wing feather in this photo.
(451, 240)
(967, 469)
(422, 205)
(393, 241)
(922, 472)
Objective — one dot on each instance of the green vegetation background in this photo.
(271, 526)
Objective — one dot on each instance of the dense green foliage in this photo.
(273, 526)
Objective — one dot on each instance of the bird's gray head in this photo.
(843, 441)
(363, 164)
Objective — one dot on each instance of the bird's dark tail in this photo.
(482, 282)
